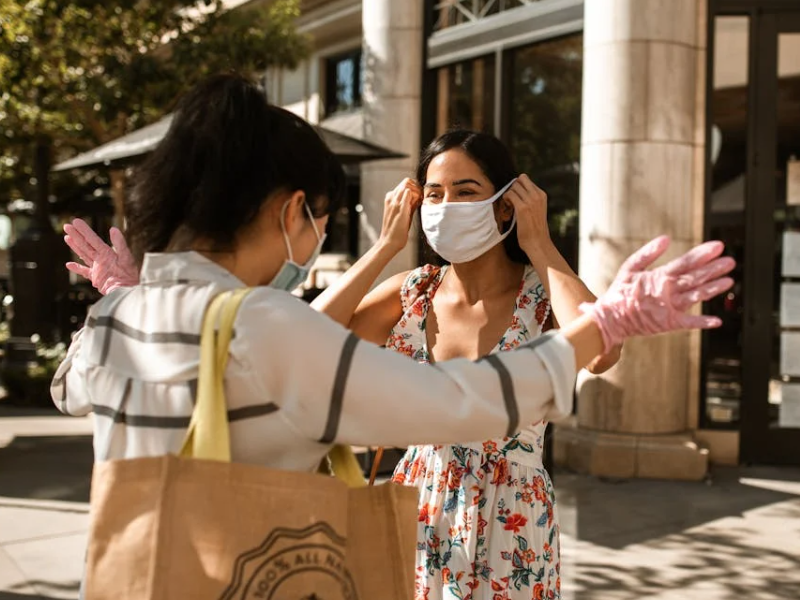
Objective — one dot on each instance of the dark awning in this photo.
(133, 146)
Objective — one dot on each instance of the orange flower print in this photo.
(415, 469)
(539, 489)
(541, 311)
(482, 523)
(500, 472)
(421, 592)
(490, 447)
(538, 592)
(515, 522)
(426, 513)
(445, 575)
(418, 309)
(529, 555)
(455, 479)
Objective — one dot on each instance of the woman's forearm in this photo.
(567, 292)
(340, 300)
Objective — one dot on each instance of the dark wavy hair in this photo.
(494, 159)
(227, 150)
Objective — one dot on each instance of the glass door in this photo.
(770, 408)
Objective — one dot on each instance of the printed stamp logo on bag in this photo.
(291, 564)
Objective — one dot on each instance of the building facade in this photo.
(637, 117)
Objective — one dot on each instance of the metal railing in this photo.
(449, 13)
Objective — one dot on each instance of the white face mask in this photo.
(291, 274)
(462, 231)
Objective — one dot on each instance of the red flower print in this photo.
(455, 479)
(418, 308)
(541, 311)
(529, 555)
(421, 593)
(490, 447)
(500, 472)
(415, 469)
(515, 522)
(482, 523)
(539, 489)
(426, 513)
(497, 586)
(399, 478)
(538, 592)
(446, 575)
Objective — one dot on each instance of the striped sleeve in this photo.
(68, 388)
(333, 387)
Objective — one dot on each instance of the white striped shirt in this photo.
(296, 381)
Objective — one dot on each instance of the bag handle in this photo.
(208, 436)
(376, 463)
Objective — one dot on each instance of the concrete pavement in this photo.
(735, 536)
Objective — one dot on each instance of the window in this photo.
(449, 13)
(544, 129)
(343, 224)
(344, 82)
(466, 96)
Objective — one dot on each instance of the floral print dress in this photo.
(487, 528)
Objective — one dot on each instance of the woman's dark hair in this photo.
(226, 151)
(494, 159)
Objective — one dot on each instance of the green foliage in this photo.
(83, 72)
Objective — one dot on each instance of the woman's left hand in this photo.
(107, 267)
(530, 206)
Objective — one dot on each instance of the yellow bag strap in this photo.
(208, 436)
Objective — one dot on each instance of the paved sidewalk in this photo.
(734, 537)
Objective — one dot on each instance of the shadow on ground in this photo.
(618, 514)
(47, 468)
(737, 536)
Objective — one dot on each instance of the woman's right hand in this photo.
(642, 302)
(398, 214)
(107, 267)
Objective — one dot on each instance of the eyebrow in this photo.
(459, 182)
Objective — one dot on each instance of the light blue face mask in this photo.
(291, 274)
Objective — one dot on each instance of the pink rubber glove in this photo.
(107, 267)
(641, 302)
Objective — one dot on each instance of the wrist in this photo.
(541, 251)
(386, 248)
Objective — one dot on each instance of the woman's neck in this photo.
(490, 274)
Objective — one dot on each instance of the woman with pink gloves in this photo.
(387, 399)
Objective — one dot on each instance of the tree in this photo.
(78, 73)
(75, 74)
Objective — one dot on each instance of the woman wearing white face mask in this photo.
(486, 522)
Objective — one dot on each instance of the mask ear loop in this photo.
(500, 195)
(313, 223)
(283, 230)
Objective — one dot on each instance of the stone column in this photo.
(642, 150)
(393, 38)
